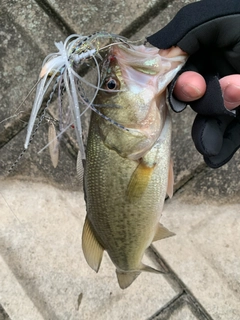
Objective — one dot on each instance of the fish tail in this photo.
(125, 279)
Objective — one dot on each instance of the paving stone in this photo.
(40, 243)
(184, 313)
(178, 309)
(27, 37)
(205, 251)
(37, 166)
(163, 17)
(14, 298)
(91, 16)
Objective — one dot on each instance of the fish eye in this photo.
(111, 84)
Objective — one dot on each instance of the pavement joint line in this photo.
(129, 31)
(201, 168)
(3, 314)
(140, 22)
(172, 278)
(56, 17)
(167, 310)
(197, 308)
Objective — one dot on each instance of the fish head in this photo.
(132, 98)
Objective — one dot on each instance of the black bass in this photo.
(128, 169)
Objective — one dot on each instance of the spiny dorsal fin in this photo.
(139, 181)
(125, 279)
(92, 249)
(162, 233)
(170, 180)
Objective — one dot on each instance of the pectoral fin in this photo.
(92, 249)
(139, 181)
(170, 180)
(162, 233)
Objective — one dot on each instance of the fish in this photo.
(128, 169)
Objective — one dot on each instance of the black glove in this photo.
(209, 31)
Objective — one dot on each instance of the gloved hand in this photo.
(209, 32)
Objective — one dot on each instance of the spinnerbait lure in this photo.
(61, 66)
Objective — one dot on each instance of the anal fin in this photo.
(92, 249)
(162, 233)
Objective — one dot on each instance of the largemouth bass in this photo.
(128, 169)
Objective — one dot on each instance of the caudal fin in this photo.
(125, 279)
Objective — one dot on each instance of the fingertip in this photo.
(189, 86)
(231, 91)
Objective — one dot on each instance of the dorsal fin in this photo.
(92, 249)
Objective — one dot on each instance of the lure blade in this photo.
(53, 144)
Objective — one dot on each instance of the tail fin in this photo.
(125, 279)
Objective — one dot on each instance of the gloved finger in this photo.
(191, 86)
(208, 132)
(230, 144)
(202, 23)
(212, 102)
